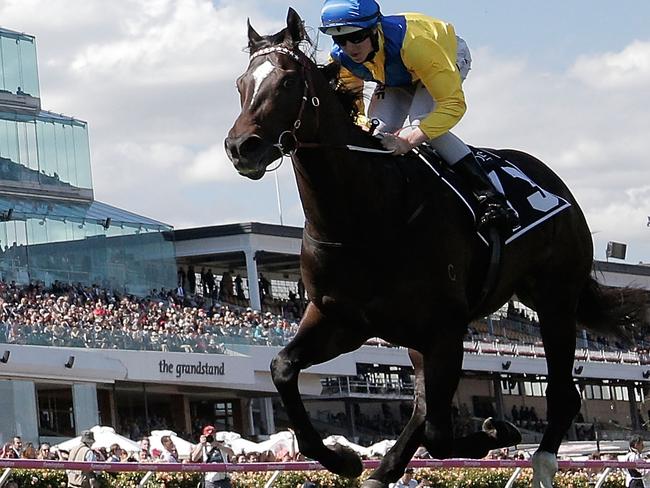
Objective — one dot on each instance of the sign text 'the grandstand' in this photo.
(183, 369)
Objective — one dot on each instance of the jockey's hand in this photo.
(396, 144)
(404, 140)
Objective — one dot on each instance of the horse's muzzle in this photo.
(250, 154)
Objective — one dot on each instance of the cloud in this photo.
(623, 70)
(211, 165)
(592, 137)
(155, 80)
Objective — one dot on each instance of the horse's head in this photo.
(273, 94)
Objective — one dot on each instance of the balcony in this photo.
(346, 387)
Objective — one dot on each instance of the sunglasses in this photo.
(354, 37)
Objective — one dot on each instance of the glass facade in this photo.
(90, 243)
(51, 228)
(44, 151)
(18, 64)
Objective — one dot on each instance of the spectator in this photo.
(239, 287)
(16, 448)
(209, 450)
(83, 452)
(169, 454)
(407, 480)
(634, 477)
(114, 454)
(29, 452)
(145, 447)
(191, 279)
(44, 452)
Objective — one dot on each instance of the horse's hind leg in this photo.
(395, 461)
(319, 339)
(558, 328)
(475, 445)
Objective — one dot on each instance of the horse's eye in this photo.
(289, 82)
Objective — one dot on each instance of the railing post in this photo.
(5, 475)
(272, 479)
(513, 478)
(603, 477)
(145, 478)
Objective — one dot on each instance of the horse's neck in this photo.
(342, 193)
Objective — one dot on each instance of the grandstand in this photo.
(111, 318)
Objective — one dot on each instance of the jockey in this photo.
(419, 65)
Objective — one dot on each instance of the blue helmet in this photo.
(340, 17)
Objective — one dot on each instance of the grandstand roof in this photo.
(223, 246)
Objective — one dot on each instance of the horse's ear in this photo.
(331, 71)
(253, 37)
(295, 27)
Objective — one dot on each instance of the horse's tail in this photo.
(613, 311)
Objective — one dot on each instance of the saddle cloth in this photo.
(533, 204)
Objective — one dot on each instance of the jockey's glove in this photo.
(398, 145)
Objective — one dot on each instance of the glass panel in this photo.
(55, 410)
(597, 392)
(528, 388)
(9, 140)
(31, 152)
(10, 64)
(607, 395)
(70, 153)
(29, 67)
(82, 157)
(61, 151)
(13, 252)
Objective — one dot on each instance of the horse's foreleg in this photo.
(558, 328)
(442, 368)
(319, 339)
(395, 461)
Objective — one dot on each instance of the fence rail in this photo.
(302, 466)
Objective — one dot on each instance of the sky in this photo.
(568, 82)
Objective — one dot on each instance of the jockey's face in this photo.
(358, 52)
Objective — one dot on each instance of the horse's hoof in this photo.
(505, 433)
(348, 462)
(373, 484)
(544, 469)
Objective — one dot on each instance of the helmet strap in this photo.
(374, 39)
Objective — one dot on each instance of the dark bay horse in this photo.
(360, 208)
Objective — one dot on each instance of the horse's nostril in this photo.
(250, 145)
(231, 148)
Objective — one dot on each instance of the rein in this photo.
(288, 142)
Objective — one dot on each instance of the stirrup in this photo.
(495, 212)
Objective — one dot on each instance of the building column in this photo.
(498, 397)
(634, 408)
(84, 404)
(253, 286)
(266, 408)
(181, 408)
(19, 411)
(352, 423)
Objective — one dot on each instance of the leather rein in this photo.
(288, 142)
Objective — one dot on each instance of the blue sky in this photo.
(568, 81)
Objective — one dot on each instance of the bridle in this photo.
(287, 141)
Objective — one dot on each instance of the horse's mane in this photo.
(348, 98)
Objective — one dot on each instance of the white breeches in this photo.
(391, 106)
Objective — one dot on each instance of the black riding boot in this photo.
(493, 207)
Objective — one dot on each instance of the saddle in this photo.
(533, 203)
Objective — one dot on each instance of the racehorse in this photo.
(361, 207)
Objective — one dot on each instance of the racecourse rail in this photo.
(276, 468)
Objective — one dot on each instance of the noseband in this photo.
(287, 141)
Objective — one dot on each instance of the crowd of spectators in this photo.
(173, 320)
(76, 316)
